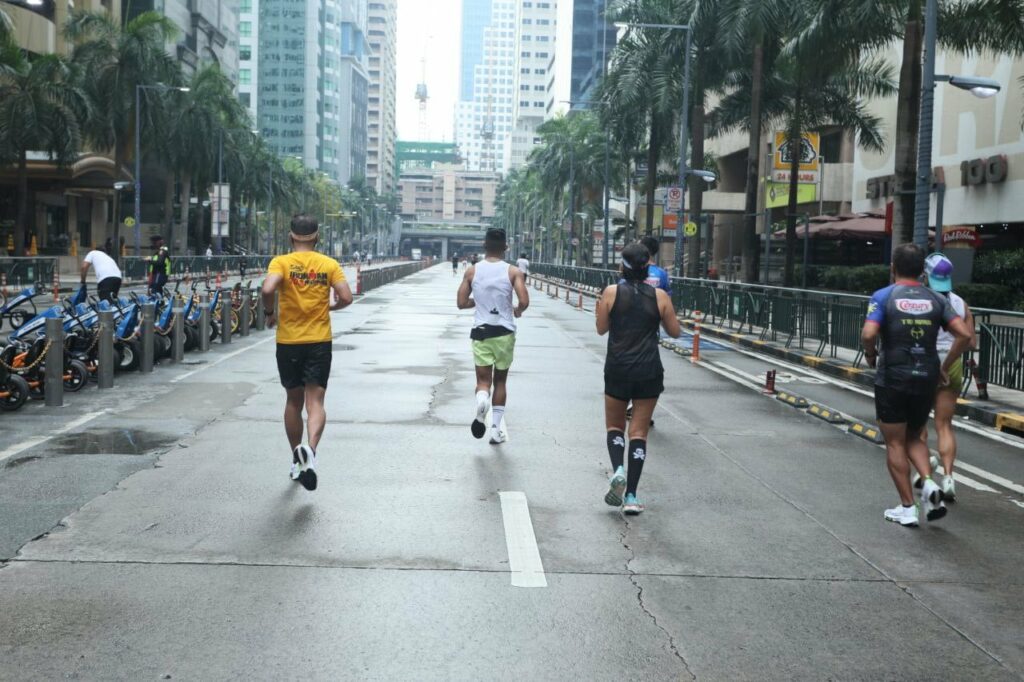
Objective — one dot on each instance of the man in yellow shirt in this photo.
(305, 279)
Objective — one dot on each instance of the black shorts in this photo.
(626, 389)
(304, 364)
(893, 406)
(108, 289)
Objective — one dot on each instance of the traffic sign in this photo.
(690, 229)
(674, 199)
(129, 222)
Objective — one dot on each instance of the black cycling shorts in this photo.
(625, 389)
(304, 364)
(893, 406)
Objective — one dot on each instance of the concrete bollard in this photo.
(105, 362)
(177, 334)
(53, 382)
(204, 323)
(261, 313)
(148, 320)
(225, 319)
(244, 312)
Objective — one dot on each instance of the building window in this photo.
(245, 29)
(244, 6)
(245, 53)
(244, 77)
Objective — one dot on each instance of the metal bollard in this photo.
(148, 319)
(244, 312)
(54, 376)
(204, 323)
(105, 363)
(178, 334)
(225, 319)
(261, 313)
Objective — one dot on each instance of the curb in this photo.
(988, 414)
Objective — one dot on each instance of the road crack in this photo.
(634, 579)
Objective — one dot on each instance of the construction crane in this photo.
(421, 92)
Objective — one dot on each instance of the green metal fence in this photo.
(823, 322)
(26, 271)
(135, 268)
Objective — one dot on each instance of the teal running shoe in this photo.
(631, 506)
(616, 486)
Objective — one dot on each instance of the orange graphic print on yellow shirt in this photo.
(305, 298)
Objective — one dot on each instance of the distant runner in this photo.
(632, 311)
(905, 318)
(455, 265)
(305, 279)
(487, 288)
(939, 270)
(524, 266)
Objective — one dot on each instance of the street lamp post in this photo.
(138, 156)
(979, 87)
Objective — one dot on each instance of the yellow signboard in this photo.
(777, 194)
(690, 229)
(129, 222)
(808, 147)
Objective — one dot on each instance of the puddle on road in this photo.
(111, 442)
(341, 346)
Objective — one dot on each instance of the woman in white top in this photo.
(940, 279)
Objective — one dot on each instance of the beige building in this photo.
(382, 130)
(448, 194)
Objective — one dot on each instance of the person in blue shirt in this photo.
(657, 277)
(899, 340)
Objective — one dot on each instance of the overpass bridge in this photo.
(442, 238)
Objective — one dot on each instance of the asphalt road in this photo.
(169, 542)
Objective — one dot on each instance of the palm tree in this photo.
(113, 60)
(41, 109)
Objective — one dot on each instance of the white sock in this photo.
(497, 412)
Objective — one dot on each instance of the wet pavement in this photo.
(179, 549)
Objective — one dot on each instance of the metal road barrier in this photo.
(822, 322)
(378, 277)
(21, 272)
(137, 268)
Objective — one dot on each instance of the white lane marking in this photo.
(971, 483)
(523, 556)
(33, 442)
(998, 480)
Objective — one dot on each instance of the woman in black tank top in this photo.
(632, 312)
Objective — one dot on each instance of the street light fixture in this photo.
(684, 125)
(979, 87)
(138, 155)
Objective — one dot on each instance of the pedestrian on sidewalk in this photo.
(524, 266)
(899, 338)
(631, 312)
(305, 279)
(108, 275)
(939, 271)
(487, 288)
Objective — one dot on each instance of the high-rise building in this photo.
(484, 122)
(248, 54)
(476, 16)
(535, 57)
(593, 40)
(381, 124)
(313, 83)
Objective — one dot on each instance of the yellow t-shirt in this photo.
(305, 298)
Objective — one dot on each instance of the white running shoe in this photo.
(915, 478)
(498, 434)
(905, 516)
(296, 469)
(307, 466)
(483, 406)
(931, 500)
(949, 488)
(616, 486)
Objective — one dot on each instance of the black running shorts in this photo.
(625, 389)
(304, 364)
(893, 406)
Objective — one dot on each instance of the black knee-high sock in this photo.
(616, 448)
(637, 455)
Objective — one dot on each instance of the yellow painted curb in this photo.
(1009, 420)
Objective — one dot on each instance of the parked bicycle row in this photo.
(85, 339)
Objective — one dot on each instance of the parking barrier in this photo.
(56, 286)
(204, 322)
(769, 382)
(148, 319)
(225, 320)
(53, 384)
(105, 361)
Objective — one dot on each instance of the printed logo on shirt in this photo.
(299, 277)
(914, 306)
(872, 307)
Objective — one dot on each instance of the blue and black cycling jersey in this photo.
(910, 316)
(656, 277)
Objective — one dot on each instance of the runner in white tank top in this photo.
(487, 288)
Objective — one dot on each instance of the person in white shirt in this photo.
(524, 266)
(209, 251)
(108, 275)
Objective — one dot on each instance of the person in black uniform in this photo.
(631, 312)
(905, 317)
(455, 264)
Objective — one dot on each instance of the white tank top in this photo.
(492, 292)
(944, 341)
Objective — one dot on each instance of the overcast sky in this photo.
(430, 27)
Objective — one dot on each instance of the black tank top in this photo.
(633, 333)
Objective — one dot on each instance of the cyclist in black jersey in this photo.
(632, 312)
(904, 319)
